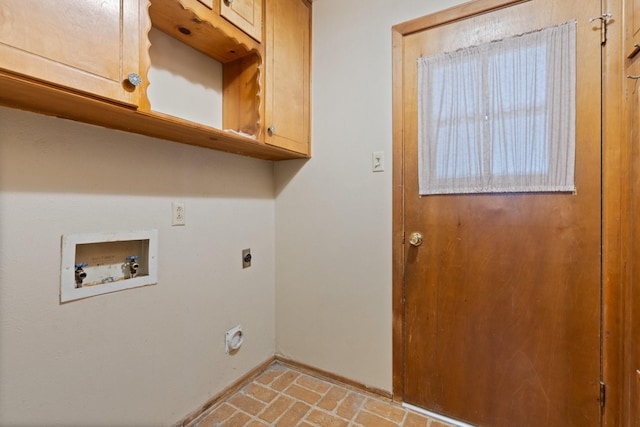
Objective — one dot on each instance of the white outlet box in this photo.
(103, 260)
(178, 214)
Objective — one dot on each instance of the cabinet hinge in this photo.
(604, 20)
(403, 237)
(603, 393)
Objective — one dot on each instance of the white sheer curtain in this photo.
(499, 117)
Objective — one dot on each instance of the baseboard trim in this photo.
(224, 394)
(301, 367)
(331, 377)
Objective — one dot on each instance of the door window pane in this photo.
(499, 117)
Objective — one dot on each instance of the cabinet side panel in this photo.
(241, 100)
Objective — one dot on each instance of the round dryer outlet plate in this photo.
(234, 338)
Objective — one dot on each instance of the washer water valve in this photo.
(80, 273)
(132, 265)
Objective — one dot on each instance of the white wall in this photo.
(177, 84)
(146, 356)
(333, 221)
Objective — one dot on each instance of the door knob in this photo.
(415, 239)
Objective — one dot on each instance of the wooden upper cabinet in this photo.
(632, 27)
(288, 75)
(244, 14)
(85, 46)
(73, 58)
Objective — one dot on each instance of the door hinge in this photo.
(603, 393)
(604, 20)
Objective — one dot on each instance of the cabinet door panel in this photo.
(244, 14)
(288, 75)
(632, 27)
(87, 46)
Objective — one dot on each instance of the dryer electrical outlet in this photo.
(99, 263)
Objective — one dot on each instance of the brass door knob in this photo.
(415, 239)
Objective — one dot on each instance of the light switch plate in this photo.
(377, 160)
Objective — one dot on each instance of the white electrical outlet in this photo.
(177, 214)
(377, 161)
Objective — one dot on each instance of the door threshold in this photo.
(436, 416)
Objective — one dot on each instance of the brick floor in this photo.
(283, 397)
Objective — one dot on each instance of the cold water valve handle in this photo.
(132, 263)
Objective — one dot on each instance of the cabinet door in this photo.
(632, 27)
(288, 75)
(244, 14)
(87, 46)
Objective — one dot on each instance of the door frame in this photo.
(615, 202)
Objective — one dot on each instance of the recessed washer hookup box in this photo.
(99, 263)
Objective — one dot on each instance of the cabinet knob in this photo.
(228, 1)
(134, 79)
(271, 129)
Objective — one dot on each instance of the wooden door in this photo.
(86, 46)
(288, 75)
(632, 365)
(501, 319)
(244, 14)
